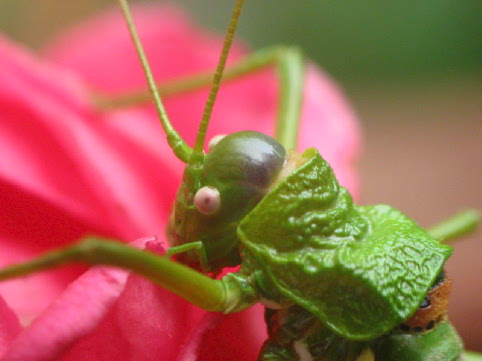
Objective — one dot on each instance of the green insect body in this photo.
(372, 266)
(340, 282)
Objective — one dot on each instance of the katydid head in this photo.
(218, 189)
(211, 201)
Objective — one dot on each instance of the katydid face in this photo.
(235, 176)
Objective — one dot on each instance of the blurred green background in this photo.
(412, 70)
(358, 41)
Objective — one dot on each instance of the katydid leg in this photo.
(456, 226)
(171, 251)
(197, 247)
(212, 295)
(289, 64)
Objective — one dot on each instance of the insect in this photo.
(341, 282)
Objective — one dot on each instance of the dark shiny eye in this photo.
(207, 200)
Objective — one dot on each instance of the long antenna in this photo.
(177, 144)
(228, 40)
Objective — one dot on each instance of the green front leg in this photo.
(290, 69)
(226, 295)
(197, 247)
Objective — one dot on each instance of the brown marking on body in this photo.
(432, 311)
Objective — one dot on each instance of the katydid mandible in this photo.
(340, 281)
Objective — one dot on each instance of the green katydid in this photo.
(341, 282)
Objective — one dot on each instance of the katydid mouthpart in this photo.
(340, 281)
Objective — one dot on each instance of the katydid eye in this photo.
(207, 200)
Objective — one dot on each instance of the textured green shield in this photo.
(361, 270)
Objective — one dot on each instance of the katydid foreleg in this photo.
(290, 69)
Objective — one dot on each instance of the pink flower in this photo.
(68, 169)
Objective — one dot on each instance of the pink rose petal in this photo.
(103, 316)
(70, 169)
(239, 337)
(82, 305)
(327, 123)
(9, 326)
